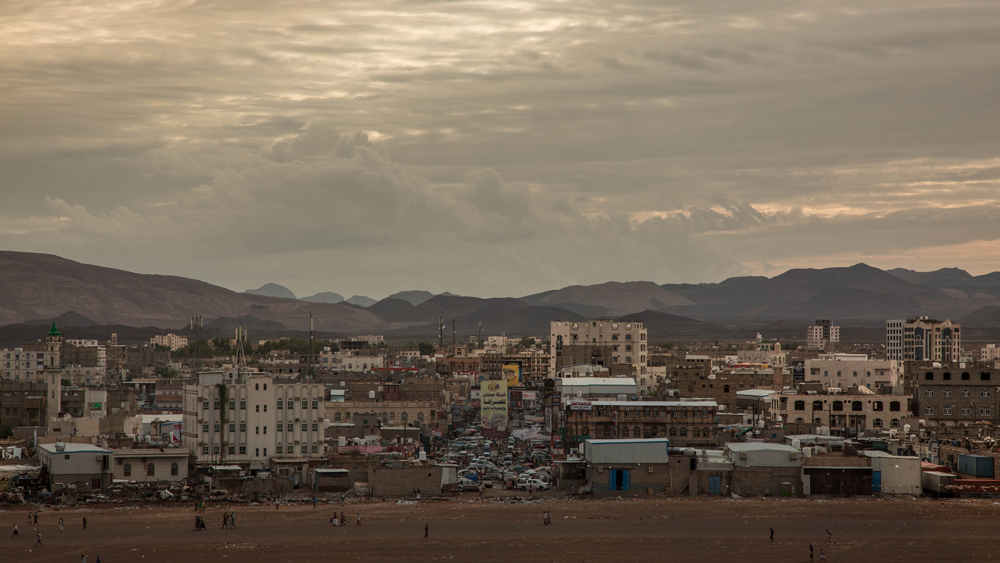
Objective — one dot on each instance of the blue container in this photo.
(979, 466)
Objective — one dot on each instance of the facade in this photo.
(255, 421)
(150, 465)
(956, 397)
(923, 339)
(842, 411)
(386, 412)
(990, 353)
(595, 387)
(821, 335)
(853, 370)
(602, 342)
(171, 341)
(350, 361)
(83, 467)
(531, 367)
(684, 423)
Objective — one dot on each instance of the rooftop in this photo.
(74, 448)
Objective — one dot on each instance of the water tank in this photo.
(807, 452)
(797, 444)
(60, 447)
(341, 441)
(423, 455)
(371, 394)
(622, 398)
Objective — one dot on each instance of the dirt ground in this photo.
(468, 529)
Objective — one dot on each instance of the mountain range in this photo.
(37, 288)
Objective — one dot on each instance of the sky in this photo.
(499, 148)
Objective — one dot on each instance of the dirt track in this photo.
(469, 530)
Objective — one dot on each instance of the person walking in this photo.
(60, 524)
(829, 538)
(29, 518)
(359, 519)
(772, 535)
(98, 559)
(822, 556)
(225, 520)
(39, 542)
(17, 533)
(427, 528)
(811, 552)
(314, 503)
(335, 521)
(232, 519)
(36, 517)
(84, 523)
(343, 519)
(83, 558)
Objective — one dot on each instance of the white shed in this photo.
(759, 454)
(895, 475)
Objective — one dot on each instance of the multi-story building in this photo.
(601, 342)
(765, 352)
(255, 421)
(821, 335)
(923, 339)
(684, 423)
(853, 370)
(361, 342)
(359, 360)
(841, 412)
(531, 367)
(956, 397)
(990, 353)
(390, 413)
(171, 341)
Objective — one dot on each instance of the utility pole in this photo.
(309, 358)
(479, 340)
(197, 321)
(454, 348)
(440, 332)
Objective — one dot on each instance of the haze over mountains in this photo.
(36, 288)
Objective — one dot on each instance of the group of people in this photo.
(228, 520)
(342, 520)
(199, 524)
(547, 518)
(33, 519)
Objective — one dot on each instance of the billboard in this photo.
(493, 404)
(512, 374)
(580, 405)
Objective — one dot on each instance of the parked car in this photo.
(465, 484)
(535, 484)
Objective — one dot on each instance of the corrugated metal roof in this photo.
(758, 447)
(708, 404)
(595, 381)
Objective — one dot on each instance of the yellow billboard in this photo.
(493, 404)
(512, 374)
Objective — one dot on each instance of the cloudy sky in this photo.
(499, 148)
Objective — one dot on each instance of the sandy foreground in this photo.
(468, 529)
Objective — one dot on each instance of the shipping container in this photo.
(936, 481)
(978, 466)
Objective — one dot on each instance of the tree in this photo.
(526, 342)
(161, 348)
(66, 382)
(221, 345)
(6, 430)
(166, 371)
(426, 349)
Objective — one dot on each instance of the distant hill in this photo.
(413, 297)
(361, 301)
(664, 326)
(70, 318)
(42, 286)
(324, 297)
(272, 290)
(612, 298)
(945, 277)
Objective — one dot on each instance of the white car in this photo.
(535, 484)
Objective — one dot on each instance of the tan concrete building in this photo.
(685, 423)
(600, 342)
(389, 413)
(852, 410)
(149, 465)
(956, 397)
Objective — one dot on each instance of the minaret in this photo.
(53, 372)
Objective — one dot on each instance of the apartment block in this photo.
(923, 339)
(599, 342)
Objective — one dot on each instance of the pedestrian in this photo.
(232, 520)
(343, 519)
(36, 517)
(98, 559)
(359, 519)
(427, 528)
(314, 503)
(29, 518)
(531, 489)
(772, 535)
(225, 520)
(17, 533)
(829, 538)
(84, 523)
(60, 524)
(335, 521)
(822, 556)
(83, 559)
(39, 542)
(811, 552)
(276, 504)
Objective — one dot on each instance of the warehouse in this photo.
(82, 467)
(627, 467)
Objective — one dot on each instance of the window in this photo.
(232, 427)
(985, 376)
(986, 410)
(257, 407)
(243, 405)
(305, 405)
(305, 426)
(725, 388)
(127, 470)
(966, 393)
(232, 405)
(965, 376)
(215, 428)
(256, 386)
(243, 450)
(243, 427)
(929, 393)
(315, 449)
(984, 393)
(946, 376)
(280, 427)
(305, 449)
(868, 374)
(315, 427)
(265, 387)
(817, 420)
(894, 423)
(265, 430)
(628, 347)
(204, 450)
(929, 376)
(855, 374)
(800, 405)
(837, 406)
(894, 406)
(966, 411)
(216, 449)
(684, 432)
(256, 429)
(946, 393)
(817, 405)
(279, 407)
(946, 410)
(877, 423)
(204, 405)
(256, 452)
(265, 452)
(628, 337)
(204, 428)
(856, 406)
(696, 432)
(265, 408)
(928, 410)
(673, 431)
(290, 449)
(799, 420)
(215, 405)
(614, 337)
(232, 450)
(336, 416)
(315, 405)
(877, 406)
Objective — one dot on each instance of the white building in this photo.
(19, 365)
(990, 353)
(766, 352)
(258, 420)
(853, 370)
(821, 334)
(614, 342)
(350, 361)
(171, 340)
(923, 339)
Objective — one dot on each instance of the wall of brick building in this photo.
(765, 481)
(401, 481)
(642, 479)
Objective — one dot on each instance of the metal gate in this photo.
(715, 485)
(876, 481)
(618, 479)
